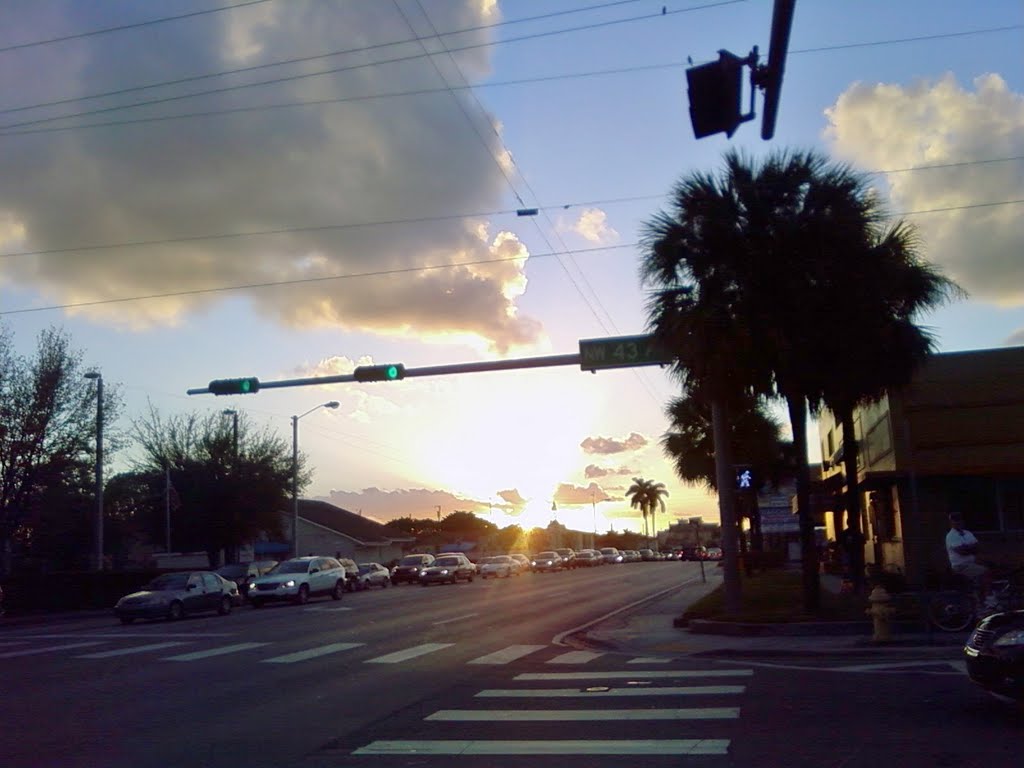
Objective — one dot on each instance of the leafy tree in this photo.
(466, 526)
(227, 498)
(759, 272)
(47, 443)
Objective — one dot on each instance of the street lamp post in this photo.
(98, 377)
(295, 472)
(234, 427)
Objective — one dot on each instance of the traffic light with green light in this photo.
(246, 386)
(389, 372)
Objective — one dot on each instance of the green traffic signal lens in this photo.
(392, 372)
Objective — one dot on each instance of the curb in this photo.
(796, 629)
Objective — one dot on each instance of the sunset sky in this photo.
(288, 188)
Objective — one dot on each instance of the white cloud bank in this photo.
(318, 175)
(890, 126)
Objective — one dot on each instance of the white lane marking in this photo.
(548, 715)
(13, 642)
(564, 693)
(505, 655)
(639, 674)
(556, 594)
(650, 660)
(325, 609)
(959, 666)
(457, 618)
(575, 657)
(409, 653)
(128, 651)
(566, 747)
(47, 649)
(312, 653)
(222, 651)
(893, 665)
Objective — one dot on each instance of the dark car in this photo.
(568, 556)
(174, 595)
(995, 655)
(243, 573)
(448, 569)
(408, 569)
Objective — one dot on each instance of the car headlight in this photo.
(252, 585)
(288, 584)
(444, 572)
(1013, 637)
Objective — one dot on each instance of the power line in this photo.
(407, 270)
(351, 67)
(434, 219)
(4, 130)
(122, 27)
(304, 59)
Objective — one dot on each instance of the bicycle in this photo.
(954, 610)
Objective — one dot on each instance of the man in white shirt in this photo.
(961, 547)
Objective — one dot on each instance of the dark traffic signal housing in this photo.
(246, 386)
(715, 91)
(389, 372)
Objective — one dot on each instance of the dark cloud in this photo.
(608, 445)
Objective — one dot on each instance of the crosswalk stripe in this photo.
(575, 657)
(553, 747)
(326, 609)
(505, 655)
(47, 649)
(128, 651)
(601, 692)
(650, 660)
(547, 715)
(223, 650)
(636, 674)
(312, 653)
(409, 653)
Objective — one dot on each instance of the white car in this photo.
(299, 579)
(499, 565)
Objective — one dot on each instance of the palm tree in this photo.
(647, 496)
(759, 273)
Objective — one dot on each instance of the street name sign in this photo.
(621, 352)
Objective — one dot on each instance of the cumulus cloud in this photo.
(592, 225)
(568, 493)
(893, 126)
(512, 497)
(330, 179)
(418, 503)
(592, 471)
(608, 445)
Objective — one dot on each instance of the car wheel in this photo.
(175, 611)
(225, 606)
(384, 584)
(127, 619)
(338, 591)
(470, 579)
(303, 596)
(423, 583)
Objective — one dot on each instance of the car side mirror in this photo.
(314, 570)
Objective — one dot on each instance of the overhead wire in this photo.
(408, 270)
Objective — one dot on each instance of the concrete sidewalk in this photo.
(647, 630)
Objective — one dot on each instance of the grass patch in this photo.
(776, 596)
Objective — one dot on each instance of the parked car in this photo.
(174, 595)
(351, 573)
(499, 565)
(611, 555)
(243, 573)
(549, 560)
(994, 654)
(408, 569)
(525, 564)
(713, 553)
(448, 568)
(694, 553)
(298, 580)
(588, 558)
(568, 556)
(373, 575)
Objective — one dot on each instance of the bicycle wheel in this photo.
(951, 611)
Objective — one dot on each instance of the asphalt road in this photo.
(270, 687)
(471, 675)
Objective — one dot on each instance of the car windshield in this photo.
(413, 560)
(292, 566)
(168, 581)
(500, 559)
(232, 571)
(609, 551)
(447, 561)
(365, 568)
(486, 560)
(547, 555)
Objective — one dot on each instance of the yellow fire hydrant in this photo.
(880, 611)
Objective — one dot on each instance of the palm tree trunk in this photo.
(856, 539)
(724, 480)
(797, 407)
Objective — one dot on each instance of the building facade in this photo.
(951, 441)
